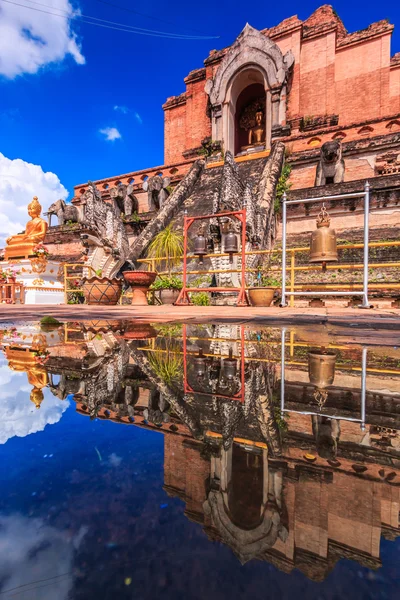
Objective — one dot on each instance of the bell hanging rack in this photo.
(183, 298)
(240, 395)
(366, 197)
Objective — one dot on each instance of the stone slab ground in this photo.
(347, 317)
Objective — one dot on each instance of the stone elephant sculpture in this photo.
(157, 193)
(65, 212)
(124, 199)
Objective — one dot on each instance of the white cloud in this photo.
(19, 416)
(138, 118)
(19, 182)
(123, 109)
(111, 134)
(31, 39)
(31, 553)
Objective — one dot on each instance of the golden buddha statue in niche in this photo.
(257, 133)
(22, 245)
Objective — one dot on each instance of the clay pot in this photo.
(101, 290)
(261, 296)
(169, 296)
(140, 281)
(142, 331)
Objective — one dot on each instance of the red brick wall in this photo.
(174, 133)
(198, 125)
(394, 82)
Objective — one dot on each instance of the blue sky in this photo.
(53, 117)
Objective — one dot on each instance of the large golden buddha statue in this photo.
(22, 245)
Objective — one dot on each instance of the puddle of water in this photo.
(180, 461)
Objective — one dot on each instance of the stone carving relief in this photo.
(157, 192)
(65, 212)
(230, 196)
(124, 199)
(106, 239)
(331, 167)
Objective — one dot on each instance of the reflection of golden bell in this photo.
(36, 397)
(323, 246)
(320, 397)
(321, 368)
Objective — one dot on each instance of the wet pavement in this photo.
(227, 460)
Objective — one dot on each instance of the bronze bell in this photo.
(321, 368)
(321, 372)
(200, 363)
(231, 245)
(323, 247)
(229, 366)
(200, 245)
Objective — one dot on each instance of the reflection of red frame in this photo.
(189, 390)
(183, 298)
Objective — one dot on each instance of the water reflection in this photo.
(284, 445)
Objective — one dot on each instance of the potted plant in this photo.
(263, 293)
(101, 290)
(168, 288)
(167, 248)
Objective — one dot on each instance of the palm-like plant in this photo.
(167, 246)
(167, 364)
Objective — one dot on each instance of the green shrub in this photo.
(167, 283)
(200, 299)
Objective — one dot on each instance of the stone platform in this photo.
(372, 321)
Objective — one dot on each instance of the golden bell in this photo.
(323, 246)
(321, 368)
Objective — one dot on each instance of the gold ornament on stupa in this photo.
(22, 245)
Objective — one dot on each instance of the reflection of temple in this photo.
(262, 483)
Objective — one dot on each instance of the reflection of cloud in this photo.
(114, 460)
(19, 416)
(35, 560)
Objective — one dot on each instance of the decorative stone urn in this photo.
(261, 296)
(102, 290)
(140, 281)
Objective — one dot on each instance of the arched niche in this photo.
(253, 59)
(249, 534)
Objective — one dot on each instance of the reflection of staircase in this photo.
(100, 346)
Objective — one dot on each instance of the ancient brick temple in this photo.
(314, 83)
(332, 98)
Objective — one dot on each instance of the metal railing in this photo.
(76, 276)
(293, 268)
(365, 195)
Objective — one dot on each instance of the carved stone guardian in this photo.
(331, 167)
(157, 192)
